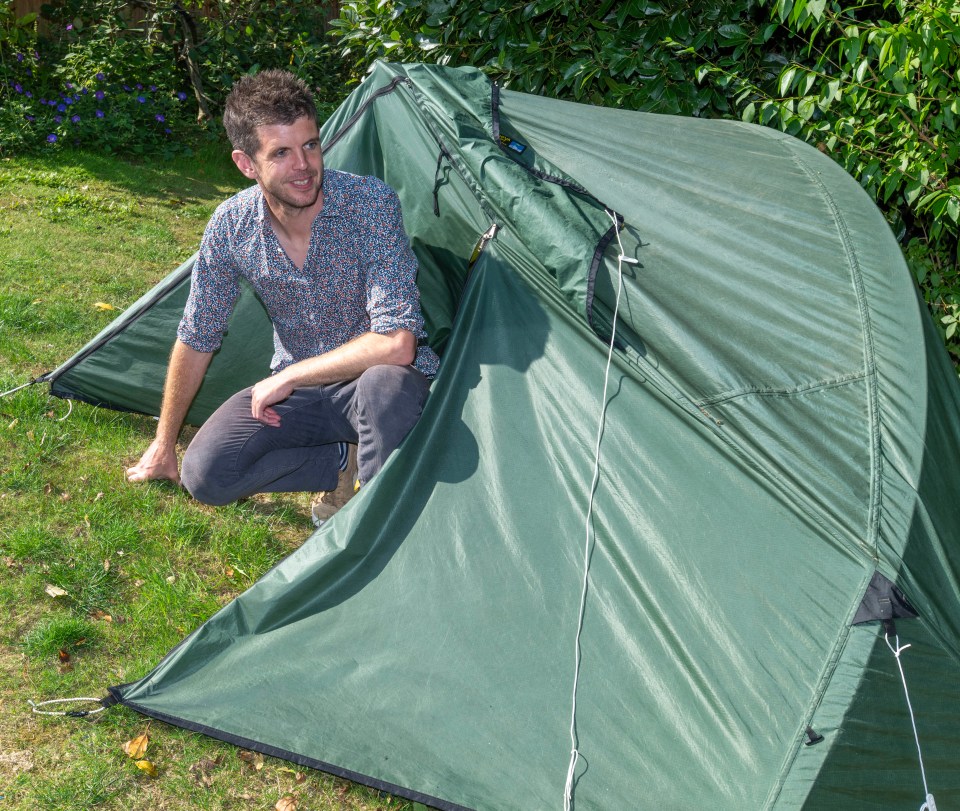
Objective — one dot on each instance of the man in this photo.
(327, 254)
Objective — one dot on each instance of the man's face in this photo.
(289, 164)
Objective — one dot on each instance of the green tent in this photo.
(694, 565)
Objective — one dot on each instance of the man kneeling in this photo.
(328, 256)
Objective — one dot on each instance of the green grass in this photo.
(140, 566)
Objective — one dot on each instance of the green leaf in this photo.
(786, 80)
(953, 209)
(815, 8)
(749, 112)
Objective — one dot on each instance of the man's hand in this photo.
(156, 463)
(266, 393)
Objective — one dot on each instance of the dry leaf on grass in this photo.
(255, 759)
(137, 747)
(102, 305)
(55, 591)
(286, 803)
(147, 768)
(201, 771)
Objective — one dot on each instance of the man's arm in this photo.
(347, 362)
(184, 376)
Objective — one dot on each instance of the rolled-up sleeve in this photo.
(393, 299)
(214, 288)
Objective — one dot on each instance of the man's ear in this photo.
(244, 163)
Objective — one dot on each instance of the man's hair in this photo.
(266, 98)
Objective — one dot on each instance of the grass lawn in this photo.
(99, 578)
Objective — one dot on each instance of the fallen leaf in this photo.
(201, 771)
(102, 305)
(228, 571)
(137, 747)
(100, 615)
(147, 767)
(64, 496)
(55, 591)
(98, 496)
(255, 759)
(286, 803)
(172, 579)
(13, 424)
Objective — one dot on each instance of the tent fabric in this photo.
(781, 431)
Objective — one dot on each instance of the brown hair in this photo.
(269, 97)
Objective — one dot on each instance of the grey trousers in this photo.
(233, 455)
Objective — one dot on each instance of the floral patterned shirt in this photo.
(359, 275)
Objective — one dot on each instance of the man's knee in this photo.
(387, 392)
(200, 482)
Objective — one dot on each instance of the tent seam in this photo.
(870, 370)
(826, 677)
(764, 391)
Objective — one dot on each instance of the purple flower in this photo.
(100, 77)
(127, 87)
(99, 113)
(69, 28)
(69, 85)
(61, 108)
(51, 138)
(153, 88)
(31, 119)
(160, 118)
(141, 99)
(167, 130)
(36, 55)
(139, 86)
(84, 91)
(19, 57)
(98, 95)
(75, 119)
(68, 99)
(181, 95)
(18, 87)
(58, 118)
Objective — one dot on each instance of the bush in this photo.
(89, 89)
(139, 79)
(872, 84)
